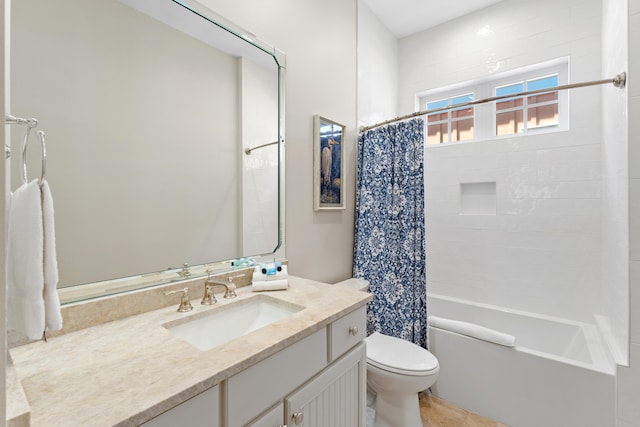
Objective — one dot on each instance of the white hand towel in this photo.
(25, 305)
(53, 316)
(259, 276)
(472, 330)
(269, 285)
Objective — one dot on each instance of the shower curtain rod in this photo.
(618, 81)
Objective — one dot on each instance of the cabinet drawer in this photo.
(201, 410)
(259, 387)
(347, 332)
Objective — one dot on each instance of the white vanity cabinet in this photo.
(257, 388)
(335, 398)
(305, 370)
(202, 410)
(319, 381)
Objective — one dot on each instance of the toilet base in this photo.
(397, 410)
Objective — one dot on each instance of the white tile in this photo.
(567, 207)
(584, 110)
(543, 246)
(572, 154)
(583, 135)
(578, 189)
(567, 33)
(586, 66)
(557, 19)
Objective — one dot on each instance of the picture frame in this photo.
(328, 164)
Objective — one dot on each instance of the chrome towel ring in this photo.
(41, 138)
(29, 124)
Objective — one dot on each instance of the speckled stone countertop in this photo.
(127, 371)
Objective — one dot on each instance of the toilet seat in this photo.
(399, 356)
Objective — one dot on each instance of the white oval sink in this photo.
(227, 322)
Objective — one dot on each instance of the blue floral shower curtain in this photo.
(389, 249)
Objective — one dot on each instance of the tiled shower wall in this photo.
(541, 249)
(614, 311)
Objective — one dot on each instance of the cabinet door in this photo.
(334, 398)
(258, 388)
(202, 410)
(273, 418)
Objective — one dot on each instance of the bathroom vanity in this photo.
(308, 368)
(128, 359)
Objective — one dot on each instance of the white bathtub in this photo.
(558, 374)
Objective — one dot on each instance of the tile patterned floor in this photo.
(438, 413)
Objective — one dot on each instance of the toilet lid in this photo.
(400, 356)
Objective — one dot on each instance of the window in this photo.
(515, 115)
(546, 111)
(450, 125)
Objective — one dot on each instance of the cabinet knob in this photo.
(353, 330)
(297, 417)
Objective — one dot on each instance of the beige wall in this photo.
(319, 39)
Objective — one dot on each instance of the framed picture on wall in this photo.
(328, 164)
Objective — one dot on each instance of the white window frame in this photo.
(484, 115)
(563, 99)
(448, 97)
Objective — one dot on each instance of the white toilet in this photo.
(397, 370)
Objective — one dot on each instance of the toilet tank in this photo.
(355, 283)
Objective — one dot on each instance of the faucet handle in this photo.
(230, 292)
(185, 304)
(185, 272)
(231, 287)
(209, 297)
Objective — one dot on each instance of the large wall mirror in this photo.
(152, 110)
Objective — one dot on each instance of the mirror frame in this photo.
(83, 292)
